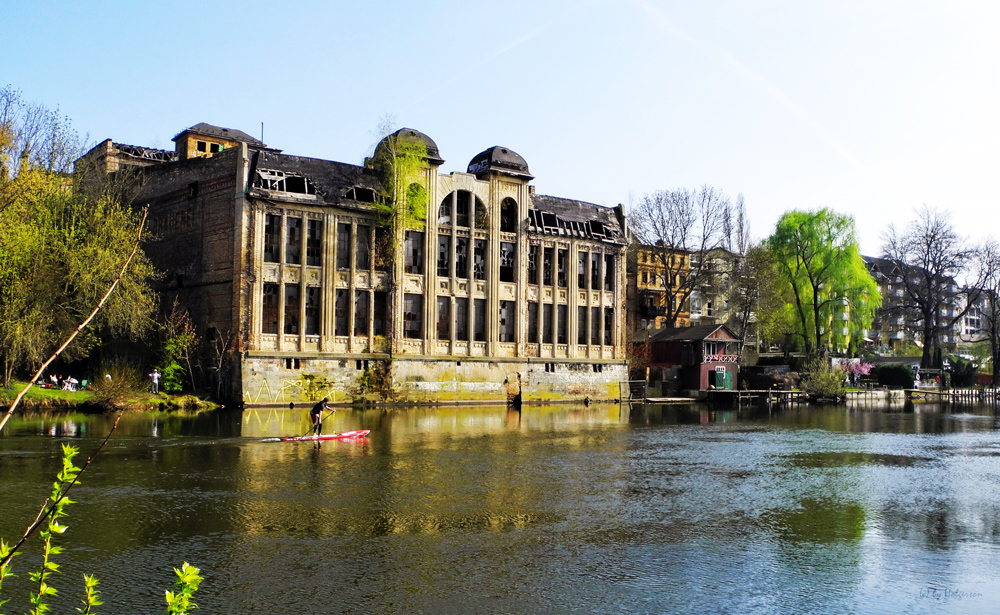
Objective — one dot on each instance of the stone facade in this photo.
(289, 260)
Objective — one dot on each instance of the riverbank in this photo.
(39, 399)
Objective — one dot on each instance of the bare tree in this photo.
(676, 225)
(931, 258)
(989, 258)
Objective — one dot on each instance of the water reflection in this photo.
(599, 509)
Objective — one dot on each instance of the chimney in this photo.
(531, 189)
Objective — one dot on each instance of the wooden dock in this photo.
(969, 396)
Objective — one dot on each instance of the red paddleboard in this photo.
(344, 435)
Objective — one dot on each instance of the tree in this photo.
(931, 257)
(400, 158)
(681, 227)
(754, 296)
(60, 247)
(989, 303)
(828, 286)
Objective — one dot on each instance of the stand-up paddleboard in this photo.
(344, 435)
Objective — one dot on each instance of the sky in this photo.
(873, 108)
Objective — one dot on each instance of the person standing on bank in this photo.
(155, 377)
(316, 414)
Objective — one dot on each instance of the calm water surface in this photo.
(553, 510)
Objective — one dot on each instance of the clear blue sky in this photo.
(870, 107)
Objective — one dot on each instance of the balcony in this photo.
(654, 310)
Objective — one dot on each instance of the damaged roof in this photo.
(501, 160)
(331, 182)
(550, 215)
(218, 132)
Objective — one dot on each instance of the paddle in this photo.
(303, 435)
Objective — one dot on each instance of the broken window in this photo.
(479, 318)
(609, 268)
(609, 321)
(508, 261)
(357, 193)
(581, 324)
(444, 255)
(379, 301)
(532, 322)
(482, 217)
(462, 205)
(581, 269)
(508, 215)
(444, 210)
(340, 312)
(314, 243)
(461, 257)
(561, 324)
(462, 319)
(215, 148)
(562, 258)
(413, 316)
(508, 313)
(312, 310)
(547, 266)
(343, 246)
(272, 238)
(291, 309)
(595, 326)
(269, 313)
(361, 313)
(414, 252)
(532, 264)
(547, 323)
(283, 181)
(382, 250)
(479, 260)
(362, 256)
(444, 318)
(293, 241)
(202, 146)
(595, 271)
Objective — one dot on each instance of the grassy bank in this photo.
(97, 399)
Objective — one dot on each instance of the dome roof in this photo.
(499, 160)
(414, 136)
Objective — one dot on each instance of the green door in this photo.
(729, 381)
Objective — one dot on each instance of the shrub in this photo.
(894, 375)
(822, 380)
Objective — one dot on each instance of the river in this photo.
(670, 509)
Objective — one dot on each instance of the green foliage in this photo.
(824, 277)
(60, 248)
(822, 380)
(177, 339)
(376, 380)
(894, 375)
(963, 373)
(400, 159)
(188, 580)
(178, 603)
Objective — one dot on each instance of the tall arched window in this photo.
(464, 209)
(508, 215)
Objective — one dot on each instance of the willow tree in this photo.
(832, 296)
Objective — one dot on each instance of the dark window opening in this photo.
(193, 189)
(581, 325)
(413, 316)
(462, 205)
(508, 216)
(343, 246)
(364, 195)
(340, 312)
(202, 146)
(581, 269)
(609, 267)
(312, 310)
(444, 256)
(462, 258)
(215, 148)
(479, 260)
(546, 323)
(462, 319)
(293, 241)
(272, 238)
(595, 326)
(361, 313)
(362, 255)
(293, 364)
(609, 321)
(562, 325)
(547, 266)
(379, 304)
(269, 316)
(482, 217)
(444, 318)
(282, 181)
(508, 313)
(562, 264)
(444, 211)
(314, 243)
(508, 261)
(291, 309)
(382, 250)
(479, 319)
(414, 252)
(595, 271)
(532, 322)
(532, 264)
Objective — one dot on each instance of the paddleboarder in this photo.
(316, 414)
